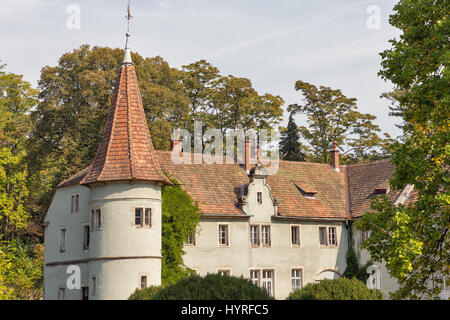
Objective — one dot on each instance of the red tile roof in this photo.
(340, 195)
(126, 151)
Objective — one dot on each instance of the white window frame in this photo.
(227, 234)
(271, 291)
(222, 271)
(328, 236)
(293, 288)
(143, 215)
(257, 234)
(260, 280)
(299, 244)
(261, 236)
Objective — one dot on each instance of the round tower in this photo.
(125, 183)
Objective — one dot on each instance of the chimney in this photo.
(175, 142)
(247, 155)
(335, 157)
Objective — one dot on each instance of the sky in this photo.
(273, 43)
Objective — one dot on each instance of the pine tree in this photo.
(290, 147)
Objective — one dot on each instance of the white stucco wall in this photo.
(119, 253)
(239, 257)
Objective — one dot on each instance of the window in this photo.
(86, 234)
(84, 293)
(332, 238)
(267, 281)
(62, 240)
(74, 203)
(364, 235)
(96, 219)
(296, 275)
(328, 236)
(260, 235)
(138, 217)
(148, 217)
(323, 236)
(143, 282)
(61, 293)
(254, 235)
(263, 278)
(295, 235)
(143, 217)
(259, 197)
(223, 235)
(254, 276)
(94, 286)
(191, 239)
(265, 235)
(224, 272)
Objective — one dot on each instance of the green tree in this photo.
(336, 289)
(212, 287)
(16, 100)
(290, 147)
(334, 117)
(413, 239)
(180, 217)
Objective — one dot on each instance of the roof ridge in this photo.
(369, 163)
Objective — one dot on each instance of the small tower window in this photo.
(62, 240)
(259, 197)
(191, 239)
(143, 217)
(96, 219)
(86, 235)
(143, 282)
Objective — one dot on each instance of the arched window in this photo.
(327, 274)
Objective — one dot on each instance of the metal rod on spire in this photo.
(127, 57)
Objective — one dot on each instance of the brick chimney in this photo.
(247, 155)
(176, 141)
(335, 157)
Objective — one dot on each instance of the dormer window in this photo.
(307, 192)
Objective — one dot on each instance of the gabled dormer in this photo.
(305, 190)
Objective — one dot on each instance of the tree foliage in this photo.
(212, 287)
(20, 263)
(180, 217)
(413, 238)
(290, 147)
(336, 289)
(145, 294)
(331, 116)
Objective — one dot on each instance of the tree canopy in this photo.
(413, 238)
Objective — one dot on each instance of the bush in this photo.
(336, 289)
(145, 294)
(212, 287)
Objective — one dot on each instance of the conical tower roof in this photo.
(126, 152)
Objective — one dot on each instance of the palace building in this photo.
(282, 231)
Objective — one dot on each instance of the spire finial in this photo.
(127, 57)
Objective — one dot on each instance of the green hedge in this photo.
(145, 294)
(209, 287)
(336, 289)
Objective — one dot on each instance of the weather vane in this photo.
(129, 16)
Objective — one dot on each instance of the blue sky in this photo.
(271, 42)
